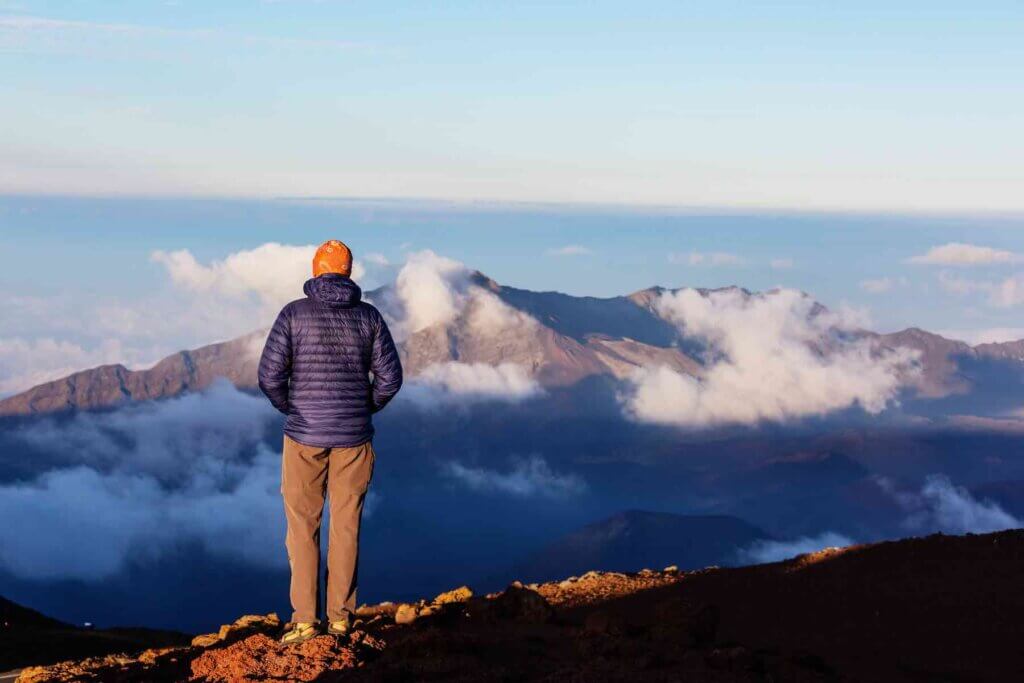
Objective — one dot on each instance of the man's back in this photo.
(317, 360)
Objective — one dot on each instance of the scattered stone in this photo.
(405, 614)
(523, 604)
(460, 594)
(386, 609)
(241, 628)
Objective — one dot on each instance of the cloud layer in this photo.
(442, 384)
(962, 254)
(773, 358)
(775, 551)
(942, 506)
(527, 477)
(137, 483)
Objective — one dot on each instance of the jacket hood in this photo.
(332, 289)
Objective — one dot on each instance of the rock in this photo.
(206, 640)
(460, 594)
(405, 614)
(523, 604)
(242, 627)
(671, 569)
(591, 575)
(517, 583)
(385, 608)
(565, 584)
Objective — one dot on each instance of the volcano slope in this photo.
(940, 608)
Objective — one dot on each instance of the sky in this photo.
(866, 153)
(910, 106)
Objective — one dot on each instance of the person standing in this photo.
(316, 368)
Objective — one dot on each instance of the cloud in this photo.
(1005, 293)
(882, 284)
(455, 382)
(570, 250)
(781, 263)
(961, 254)
(699, 258)
(134, 484)
(528, 477)
(169, 440)
(762, 552)
(273, 272)
(775, 357)
(27, 362)
(432, 290)
(942, 506)
(991, 335)
(876, 286)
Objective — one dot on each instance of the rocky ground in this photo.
(933, 609)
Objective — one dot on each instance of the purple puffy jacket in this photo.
(317, 361)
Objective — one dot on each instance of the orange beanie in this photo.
(332, 257)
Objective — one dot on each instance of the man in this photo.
(315, 369)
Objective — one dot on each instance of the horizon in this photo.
(881, 267)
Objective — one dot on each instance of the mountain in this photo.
(560, 341)
(940, 608)
(28, 637)
(636, 539)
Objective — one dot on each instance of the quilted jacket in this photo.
(317, 361)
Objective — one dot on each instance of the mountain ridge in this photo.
(929, 608)
(575, 337)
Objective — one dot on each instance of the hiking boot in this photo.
(338, 628)
(299, 633)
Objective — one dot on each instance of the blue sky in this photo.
(593, 148)
(852, 106)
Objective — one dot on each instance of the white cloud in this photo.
(431, 290)
(455, 382)
(700, 258)
(138, 482)
(25, 363)
(762, 552)
(273, 272)
(1008, 292)
(991, 335)
(961, 254)
(942, 506)
(776, 358)
(530, 477)
(876, 286)
(781, 263)
(570, 250)
(1005, 293)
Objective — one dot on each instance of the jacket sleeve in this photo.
(386, 366)
(276, 363)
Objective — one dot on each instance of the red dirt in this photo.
(934, 609)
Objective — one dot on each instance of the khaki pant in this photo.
(308, 475)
